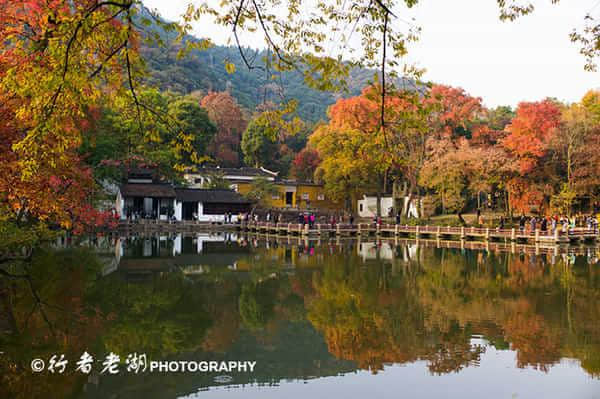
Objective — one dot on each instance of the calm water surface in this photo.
(322, 319)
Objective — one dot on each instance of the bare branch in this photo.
(237, 40)
(268, 36)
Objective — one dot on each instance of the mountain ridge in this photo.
(204, 70)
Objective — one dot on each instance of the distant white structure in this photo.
(367, 207)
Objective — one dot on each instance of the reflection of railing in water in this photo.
(259, 239)
(557, 236)
(179, 249)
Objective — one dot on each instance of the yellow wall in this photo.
(299, 199)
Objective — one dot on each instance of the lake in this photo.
(320, 319)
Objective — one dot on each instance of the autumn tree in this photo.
(305, 163)
(57, 61)
(576, 167)
(445, 173)
(529, 135)
(224, 111)
(460, 144)
(352, 151)
(456, 113)
(591, 102)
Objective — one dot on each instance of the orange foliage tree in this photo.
(58, 58)
(529, 135)
(226, 114)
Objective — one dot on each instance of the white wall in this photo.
(369, 206)
(414, 207)
(119, 205)
(178, 210)
(213, 218)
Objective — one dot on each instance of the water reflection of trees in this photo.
(47, 314)
(426, 306)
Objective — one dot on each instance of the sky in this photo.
(464, 44)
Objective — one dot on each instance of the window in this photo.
(305, 196)
(321, 197)
(360, 207)
(198, 180)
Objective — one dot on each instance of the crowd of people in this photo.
(562, 223)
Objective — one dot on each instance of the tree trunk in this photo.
(394, 197)
(408, 201)
(460, 218)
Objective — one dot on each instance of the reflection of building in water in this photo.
(196, 253)
(193, 253)
(375, 250)
(198, 241)
(385, 250)
(106, 248)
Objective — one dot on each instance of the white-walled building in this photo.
(208, 205)
(367, 207)
(164, 202)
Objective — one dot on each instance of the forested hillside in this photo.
(205, 71)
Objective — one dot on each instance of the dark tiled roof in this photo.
(147, 190)
(210, 195)
(245, 171)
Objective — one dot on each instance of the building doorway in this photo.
(188, 209)
(289, 198)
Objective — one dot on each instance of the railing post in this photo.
(359, 229)
(537, 235)
(556, 234)
(319, 229)
(513, 234)
(487, 233)
(337, 229)
(417, 231)
(396, 230)
(306, 229)
(462, 232)
(289, 229)
(377, 229)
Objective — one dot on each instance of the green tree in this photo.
(257, 144)
(501, 116)
(193, 120)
